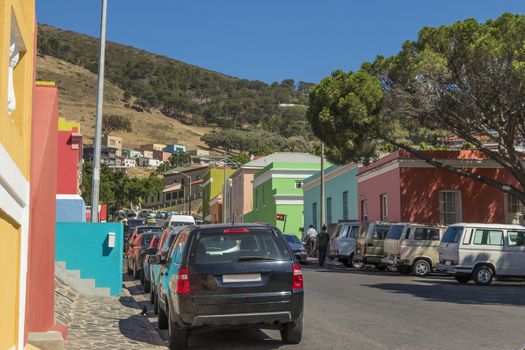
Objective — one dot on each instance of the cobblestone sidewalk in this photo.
(104, 323)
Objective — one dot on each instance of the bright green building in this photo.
(277, 189)
(213, 182)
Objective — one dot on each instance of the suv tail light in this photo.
(297, 278)
(236, 230)
(183, 282)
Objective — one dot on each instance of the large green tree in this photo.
(111, 123)
(466, 80)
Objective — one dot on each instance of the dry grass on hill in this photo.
(77, 102)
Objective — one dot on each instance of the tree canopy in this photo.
(465, 80)
(113, 123)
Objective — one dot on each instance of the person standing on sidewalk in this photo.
(323, 238)
(311, 236)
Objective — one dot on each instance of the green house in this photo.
(277, 189)
(213, 182)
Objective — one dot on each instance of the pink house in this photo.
(402, 188)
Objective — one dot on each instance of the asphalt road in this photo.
(348, 309)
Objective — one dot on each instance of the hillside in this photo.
(77, 101)
(192, 95)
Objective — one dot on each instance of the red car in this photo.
(138, 246)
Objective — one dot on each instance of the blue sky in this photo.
(268, 40)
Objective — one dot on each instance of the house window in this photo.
(513, 204)
(384, 207)
(298, 184)
(168, 196)
(314, 214)
(345, 205)
(450, 207)
(329, 210)
(364, 210)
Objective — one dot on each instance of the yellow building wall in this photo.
(10, 243)
(15, 135)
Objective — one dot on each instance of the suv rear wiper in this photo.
(250, 258)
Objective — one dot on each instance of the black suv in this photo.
(221, 276)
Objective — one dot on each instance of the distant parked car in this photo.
(132, 233)
(221, 276)
(297, 247)
(413, 248)
(180, 220)
(137, 251)
(160, 214)
(482, 251)
(370, 244)
(343, 243)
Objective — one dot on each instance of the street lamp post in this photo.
(95, 183)
(321, 180)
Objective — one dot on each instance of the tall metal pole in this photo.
(95, 183)
(321, 207)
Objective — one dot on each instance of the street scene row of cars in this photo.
(478, 252)
(208, 277)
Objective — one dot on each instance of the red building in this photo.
(402, 188)
(69, 156)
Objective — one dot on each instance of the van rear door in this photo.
(449, 247)
(240, 266)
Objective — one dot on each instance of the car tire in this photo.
(156, 304)
(380, 267)
(462, 278)
(292, 332)
(147, 286)
(152, 294)
(128, 269)
(136, 274)
(421, 268)
(346, 263)
(356, 264)
(142, 278)
(391, 268)
(163, 319)
(483, 275)
(404, 270)
(178, 337)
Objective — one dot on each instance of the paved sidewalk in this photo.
(104, 323)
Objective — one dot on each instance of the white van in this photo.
(180, 220)
(482, 251)
(343, 243)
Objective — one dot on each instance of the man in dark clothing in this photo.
(323, 238)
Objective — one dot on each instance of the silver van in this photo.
(483, 251)
(370, 244)
(343, 243)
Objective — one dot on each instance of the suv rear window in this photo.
(452, 234)
(395, 232)
(224, 248)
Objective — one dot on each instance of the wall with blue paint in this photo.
(70, 208)
(338, 179)
(84, 247)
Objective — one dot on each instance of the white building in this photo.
(149, 163)
(129, 163)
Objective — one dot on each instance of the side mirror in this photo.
(154, 260)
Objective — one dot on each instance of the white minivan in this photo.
(482, 251)
(343, 243)
(181, 220)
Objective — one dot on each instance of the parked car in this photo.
(297, 247)
(137, 251)
(180, 220)
(343, 243)
(160, 214)
(132, 233)
(370, 244)
(482, 251)
(214, 270)
(156, 264)
(413, 248)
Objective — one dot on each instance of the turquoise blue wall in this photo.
(334, 188)
(84, 247)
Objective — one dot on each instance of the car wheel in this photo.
(178, 336)
(163, 318)
(152, 294)
(292, 332)
(356, 264)
(147, 286)
(142, 279)
(136, 274)
(156, 304)
(421, 268)
(404, 270)
(483, 275)
(462, 278)
(346, 263)
(391, 268)
(380, 267)
(128, 269)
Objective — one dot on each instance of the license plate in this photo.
(252, 277)
(448, 262)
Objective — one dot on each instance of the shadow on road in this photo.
(136, 328)
(511, 294)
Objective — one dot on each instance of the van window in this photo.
(353, 232)
(380, 232)
(426, 234)
(407, 235)
(344, 230)
(452, 234)
(395, 232)
(488, 237)
(516, 238)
